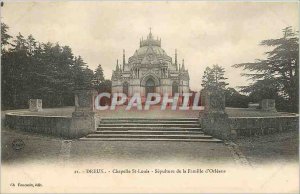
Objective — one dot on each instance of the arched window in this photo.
(150, 86)
(125, 88)
(175, 88)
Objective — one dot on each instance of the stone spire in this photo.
(150, 34)
(150, 41)
(117, 66)
(123, 58)
(183, 68)
(176, 59)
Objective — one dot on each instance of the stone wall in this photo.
(51, 125)
(248, 126)
(80, 124)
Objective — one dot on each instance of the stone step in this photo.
(149, 119)
(149, 125)
(165, 136)
(149, 122)
(148, 128)
(213, 140)
(149, 132)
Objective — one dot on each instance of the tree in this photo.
(31, 69)
(82, 76)
(267, 88)
(4, 37)
(15, 65)
(280, 69)
(20, 43)
(214, 78)
(98, 78)
(234, 99)
(105, 86)
(32, 44)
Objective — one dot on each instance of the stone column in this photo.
(214, 120)
(83, 118)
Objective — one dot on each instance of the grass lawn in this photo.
(278, 147)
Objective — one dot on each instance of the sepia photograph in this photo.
(149, 96)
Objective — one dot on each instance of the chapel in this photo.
(150, 70)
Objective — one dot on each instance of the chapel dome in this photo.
(146, 49)
(150, 52)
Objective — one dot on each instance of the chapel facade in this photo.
(150, 70)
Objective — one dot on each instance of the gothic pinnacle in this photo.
(117, 66)
(123, 57)
(176, 59)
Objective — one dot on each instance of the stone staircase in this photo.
(144, 129)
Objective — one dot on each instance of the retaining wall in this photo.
(247, 126)
(52, 125)
(61, 125)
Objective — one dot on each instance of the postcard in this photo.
(150, 97)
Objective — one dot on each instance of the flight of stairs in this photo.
(145, 129)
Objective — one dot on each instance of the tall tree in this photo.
(31, 69)
(20, 43)
(32, 44)
(82, 76)
(280, 69)
(98, 78)
(4, 37)
(15, 65)
(234, 99)
(214, 78)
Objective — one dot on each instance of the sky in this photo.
(204, 33)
